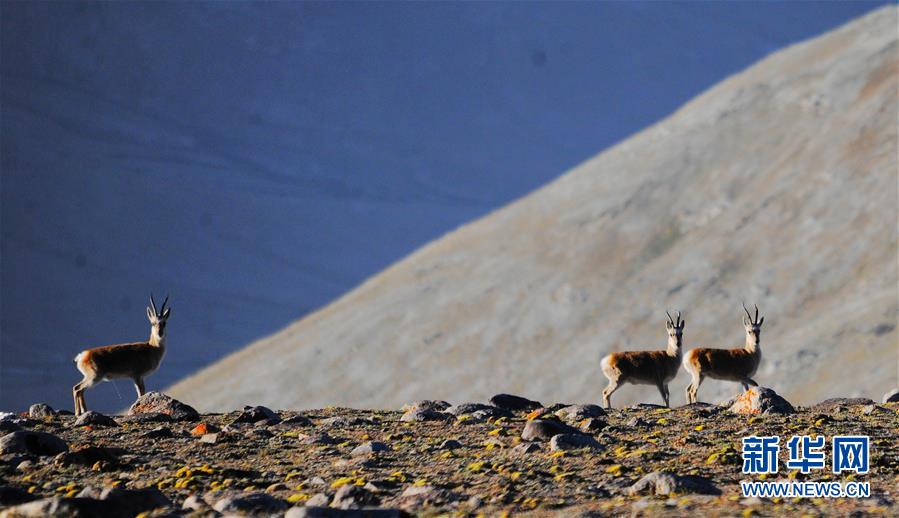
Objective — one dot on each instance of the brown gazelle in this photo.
(645, 367)
(727, 364)
(134, 361)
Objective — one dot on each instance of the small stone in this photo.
(159, 432)
(472, 408)
(870, 409)
(369, 448)
(40, 411)
(91, 418)
(297, 420)
(637, 422)
(544, 430)
(761, 400)
(663, 484)
(131, 502)
(317, 438)
(891, 397)
(592, 424)
(450, 444)
(90, 492)
(87, 456)
(256, 414)
(210, 438)
(159, 403)
(352, 497)
(514, 403)
(196, 503)
(525, 448)
(577, 413)
(421, 415)
(277, 486)
(250, 503)
(327, 512)
(567, 441)
(35, 443)
(426, 404)
(25, 465)
(318, 500)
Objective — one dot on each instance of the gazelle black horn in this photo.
(669, 317)
(748, 314)
(164, 302)
(756, 313)
(153, 306)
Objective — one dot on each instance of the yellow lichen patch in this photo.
(343, 481)
(398, 476)
(534, 415)
(298, 497)
(755, 419)
(615, 470)
(497, 431)
(476, 466)
(420, 482)
(699, 428)
(292, 475)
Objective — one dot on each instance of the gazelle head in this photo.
(157, 320)
(675, 331)
(753, 327)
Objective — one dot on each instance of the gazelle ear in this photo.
(761, 320)
(150, 314)
(682, 324)
(668, 325)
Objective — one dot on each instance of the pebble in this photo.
(297, 420)
(450, 444)
(352, 497)
(663, 484)
(369, 448)
(317, 438)
(578, 413)
(525, 447)
(255, 414)
(159, 432)
(421, 414)
(568, 441)
(40, 411)
(250, 503)
(592, 424)
(426, 404)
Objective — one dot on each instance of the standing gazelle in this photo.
(645, 367)
(134, 361)
(727, 364)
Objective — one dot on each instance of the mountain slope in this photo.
(778, 187)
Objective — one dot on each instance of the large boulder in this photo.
(159, 403)
(659, 483)
(761, 400)
(40, 411)
(34, 443)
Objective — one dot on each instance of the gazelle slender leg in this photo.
(76, 395)
(80, 403)
(608, 391)
(693, 388)
(663, 390)
(139, 385)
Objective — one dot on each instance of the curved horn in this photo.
(748, 314)
(153, 305)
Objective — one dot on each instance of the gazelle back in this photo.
(134, 361)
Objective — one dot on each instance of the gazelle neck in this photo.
(751, 345)
(674, 348)
(155, 339)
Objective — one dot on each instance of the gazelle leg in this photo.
(663, 390)
(693, 388)
(608, 391)
(139, 385)
(76, 395)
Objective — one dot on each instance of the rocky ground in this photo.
(512, 456)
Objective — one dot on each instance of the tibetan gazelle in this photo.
(133, 361)
(645, 367)
(727, 364)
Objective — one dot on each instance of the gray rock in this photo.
(250, 503)
(131, 502)
(211, 438)
(317, 438)
(484, 411)
(352, 497)
(831, 403)
(318, 500)
(421, 414)
(327, 512)
(450, 444)
(159, 403)
(195, 503)
(578, 413)
(426, 404)
(637, 422)
(514, 403)
(256, 414)
(35, 443)
(159, 432)
(892, 396)
(91, 418)
(149, 417)
(662, 484)
(761, 400)
(87, 456)
(297, 420)
(544, 430)
(14, 496)
(59, 507)
(8, 427)
(368, 448)
(569, 441)
(525, 448)
(592, 424)
(40, 411)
